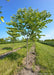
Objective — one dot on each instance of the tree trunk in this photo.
(35, 50)
(27, 53)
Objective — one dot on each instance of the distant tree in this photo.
(30, 23)
(17, 40)
(8, 39)
(23, 39)
(2, 40)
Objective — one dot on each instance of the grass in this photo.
(45, 58)
(11, 64)
(8, 47)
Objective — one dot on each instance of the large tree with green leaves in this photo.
(30, 22)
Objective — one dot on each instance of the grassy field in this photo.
(45, 58)
(8, 47)
(10, 65)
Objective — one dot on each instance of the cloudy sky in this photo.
(10, 8)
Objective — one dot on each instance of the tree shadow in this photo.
(14, 56)
(24, 47)
(7, 48)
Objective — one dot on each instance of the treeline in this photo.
(48, 42)
(7, 40)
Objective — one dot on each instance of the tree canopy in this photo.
(29, 22)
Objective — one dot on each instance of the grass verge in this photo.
(45, 58)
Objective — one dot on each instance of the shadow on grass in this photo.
(14, 56)
(24, 47)
(7, 48)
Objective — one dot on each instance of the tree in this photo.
(2, 40)
(30, 23)
(8, 39)
(13, 33)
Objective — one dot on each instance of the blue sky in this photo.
(10, 8)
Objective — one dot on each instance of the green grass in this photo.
(11, 64)
(45, 58)
(8, 47)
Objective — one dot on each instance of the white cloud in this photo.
(48, 36)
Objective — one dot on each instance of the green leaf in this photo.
(8, 0)
(2, 18)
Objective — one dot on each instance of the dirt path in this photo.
(31, 68)
(5, 54)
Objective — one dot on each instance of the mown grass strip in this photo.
(45, 58)
(9, 47)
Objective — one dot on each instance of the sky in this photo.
(11, 7)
